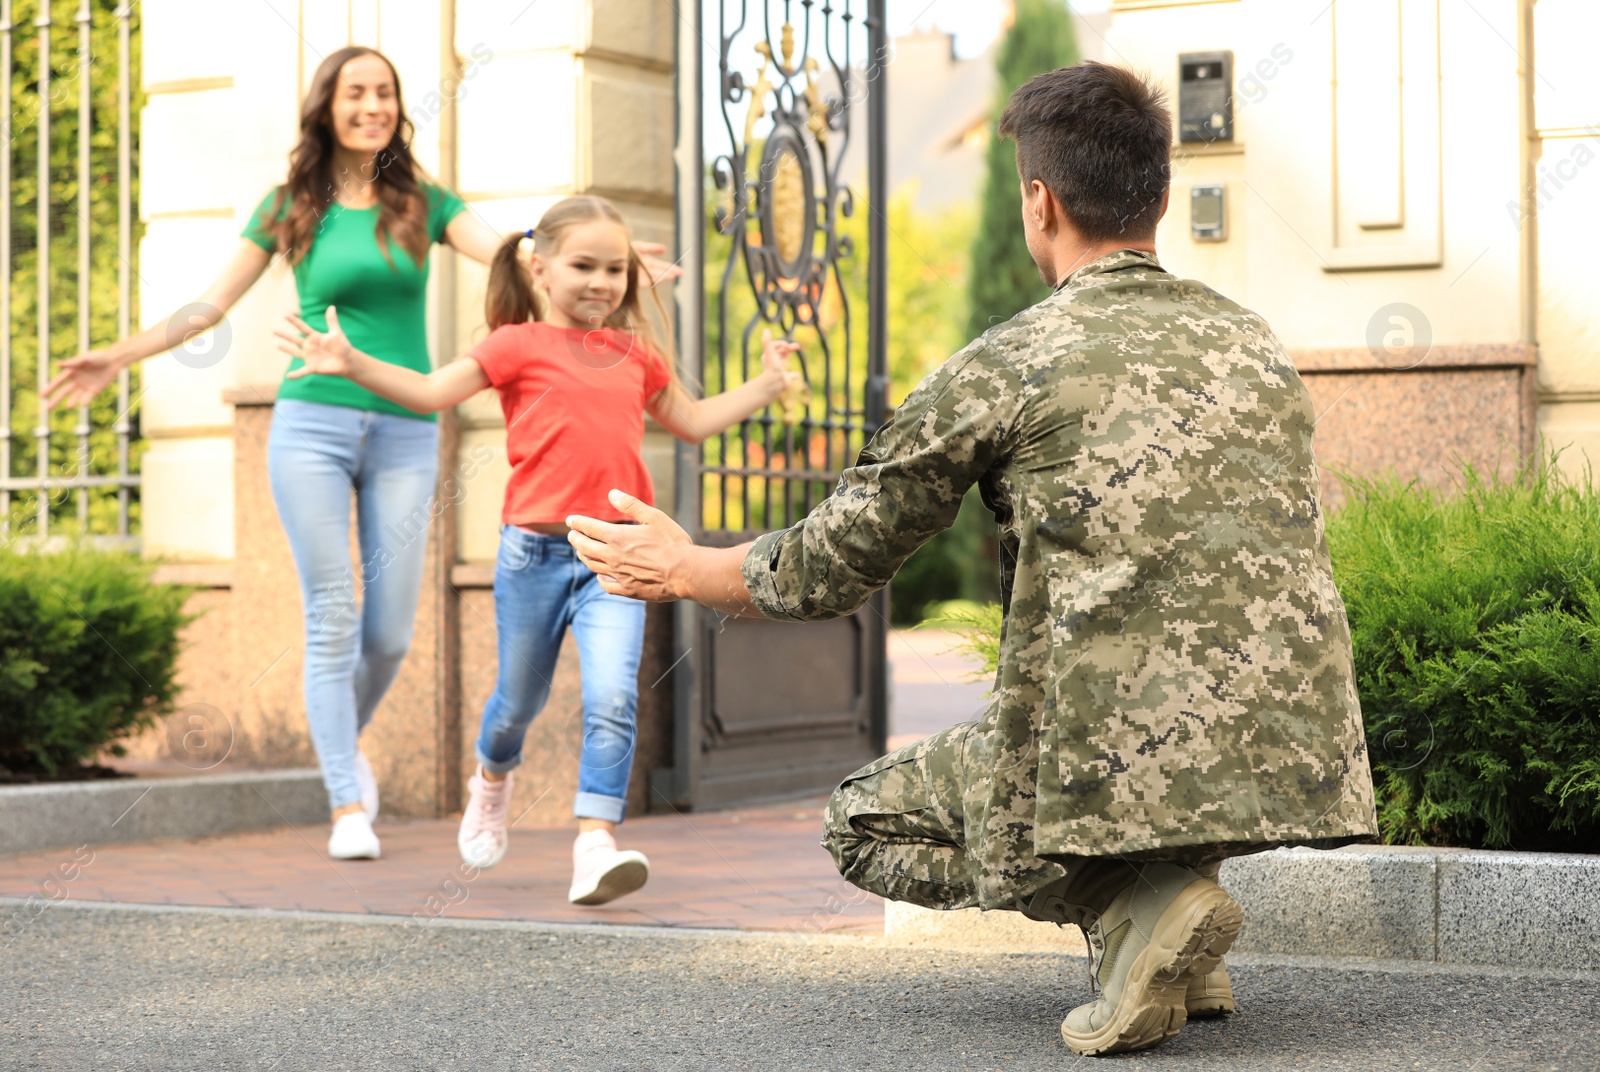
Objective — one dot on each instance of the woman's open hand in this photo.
(80, 378)
(325, 353)
(656, 270)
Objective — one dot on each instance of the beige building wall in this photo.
(1380, 150)
(514, 106)
(1560, 210)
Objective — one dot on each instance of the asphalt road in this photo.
(114, 988)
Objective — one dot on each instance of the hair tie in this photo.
(528, 233)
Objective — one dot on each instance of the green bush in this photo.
(1476, 623)
(1475, 619)
(962, 562)
(88, 654)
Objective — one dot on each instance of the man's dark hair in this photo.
(1100, 138)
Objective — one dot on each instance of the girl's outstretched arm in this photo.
(330, 354)
(694, 420)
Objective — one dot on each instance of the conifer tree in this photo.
(1003, 280)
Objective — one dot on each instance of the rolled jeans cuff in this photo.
(595, 806)
(504, 767)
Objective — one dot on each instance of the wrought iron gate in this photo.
(774, 234)
(86, 456)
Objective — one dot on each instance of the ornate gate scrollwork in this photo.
(765, 708)
(783, 204)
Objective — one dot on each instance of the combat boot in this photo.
(1165, 925)
(1210, 994)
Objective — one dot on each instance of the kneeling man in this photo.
(1175, 682)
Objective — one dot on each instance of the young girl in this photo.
(574, 384)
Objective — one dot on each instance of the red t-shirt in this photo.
(574, 403)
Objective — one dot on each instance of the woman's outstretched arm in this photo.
(694, 420)
(82, 377)
(330, 354)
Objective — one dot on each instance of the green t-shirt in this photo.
(382, 306)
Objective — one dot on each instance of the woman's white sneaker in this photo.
(600, 873)
(483, 836)
(353, 839)
(369, 785)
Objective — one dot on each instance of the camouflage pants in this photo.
(896, 828)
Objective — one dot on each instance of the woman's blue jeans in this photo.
(317, 455)
(540, 589)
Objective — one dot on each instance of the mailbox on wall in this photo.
(1205, 96)
(1208, 213)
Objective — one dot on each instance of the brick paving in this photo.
(751, 869)
(755, 868)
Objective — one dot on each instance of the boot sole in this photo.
(1209, 995)
(623, 879)
(1191, 937)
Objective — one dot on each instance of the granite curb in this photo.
(34, 817)
(1443, 906)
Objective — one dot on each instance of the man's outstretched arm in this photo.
(655, 560)
(905, 488)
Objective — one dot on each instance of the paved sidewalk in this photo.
(758, 868)
(931, 691)
(750, 869)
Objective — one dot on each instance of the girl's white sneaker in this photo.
(353, 839)
(601, 873)
(369, 785)
(483, 836)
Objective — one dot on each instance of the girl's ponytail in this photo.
(510, 298)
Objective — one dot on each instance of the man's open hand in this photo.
(639, 561)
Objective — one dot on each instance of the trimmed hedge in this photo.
(1476, 623)
(88, 654)
(1475, 618)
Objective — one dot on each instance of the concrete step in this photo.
(1445, 906)
(64, 814)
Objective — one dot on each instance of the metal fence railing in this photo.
(87, 460)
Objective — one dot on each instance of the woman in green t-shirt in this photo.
(356, 219)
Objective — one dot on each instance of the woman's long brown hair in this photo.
(402, 206)
(513, 299)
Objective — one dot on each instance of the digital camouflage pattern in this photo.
(1175, 672)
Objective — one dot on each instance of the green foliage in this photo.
(961, 563)
(1476, 623)
(977, 627)
(926, 289)
(62, 216)
(88, 654)
(1004, 280)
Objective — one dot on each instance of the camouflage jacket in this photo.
(1175, 668)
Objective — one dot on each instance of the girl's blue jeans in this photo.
(317, 455)
(540, 590)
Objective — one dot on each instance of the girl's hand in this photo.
(81, 378)
(788, 387)
(656, 270)
(775, 360)
(326, 353)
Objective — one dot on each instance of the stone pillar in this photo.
(597, 74)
